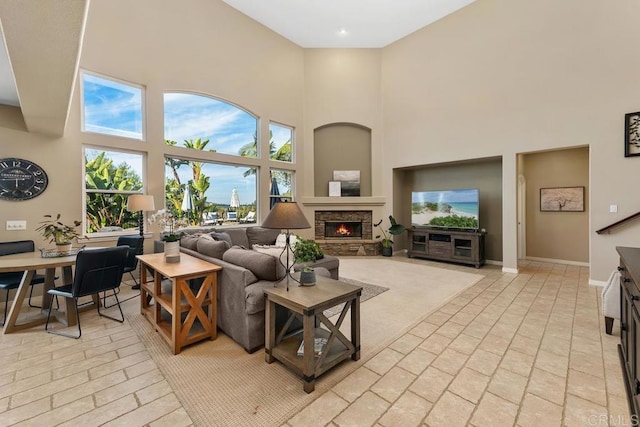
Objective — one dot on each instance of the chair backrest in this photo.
(17, 247)
(250, 215)
(135, 248)
(232, 215)
(98, 270)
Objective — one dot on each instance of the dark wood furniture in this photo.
(180, 330)
(629, 348)
(465, 247)
(309, 302)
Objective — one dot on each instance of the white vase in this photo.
(172, 251)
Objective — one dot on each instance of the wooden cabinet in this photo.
(629, 348)
(442, 245)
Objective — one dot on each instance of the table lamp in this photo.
(286, 216)
(140, 203)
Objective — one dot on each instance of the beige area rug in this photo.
(219, 384)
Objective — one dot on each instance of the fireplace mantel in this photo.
(344, 201)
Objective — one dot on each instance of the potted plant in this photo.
(307, 250)
(170, 238)
(394, 229)
(59, 233)
(307, 276)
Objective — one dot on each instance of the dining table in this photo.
(29, 263)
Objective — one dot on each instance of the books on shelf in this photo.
(318, 347)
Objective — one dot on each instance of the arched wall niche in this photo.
(341, 146)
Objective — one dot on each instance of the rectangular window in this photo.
(281, 186)
(281, 143)
(112, 107)
(110, 177)
(199, 192)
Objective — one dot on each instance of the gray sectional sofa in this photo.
(244, 276)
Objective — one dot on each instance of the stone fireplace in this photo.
(345, 232)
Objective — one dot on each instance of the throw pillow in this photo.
(281, 240)
(265, 267)
(261, 236)
(238, 236)
(276, 252)
(190, 241)
(222, 236)
(213, 248)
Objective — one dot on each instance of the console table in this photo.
(309, 302)
(443, 245)
(180, 299)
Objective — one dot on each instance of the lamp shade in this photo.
(140, 202)
(286, 215)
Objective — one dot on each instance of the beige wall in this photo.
(494, 79)
(556, 235)
(483, 174)
(207, 48)
(341, 146)
(500, 78)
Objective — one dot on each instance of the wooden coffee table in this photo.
(178, 332)
(308, 303)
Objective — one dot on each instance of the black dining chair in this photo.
(135, 245)
(9, 281)
(97, 270)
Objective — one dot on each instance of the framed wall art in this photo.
(349, 182)
(632, 134)
(562, 199)
(334, 189)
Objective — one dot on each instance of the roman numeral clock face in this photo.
(21, 179)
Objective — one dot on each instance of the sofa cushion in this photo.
(264, 266)
(190, 241)
(261, 236)
(208, 246)
(238, 236)
(222, 236)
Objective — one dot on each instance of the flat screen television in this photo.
(452, 209)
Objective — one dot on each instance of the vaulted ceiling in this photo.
(43, 42)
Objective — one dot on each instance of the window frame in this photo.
(143, 117)
(109, 235)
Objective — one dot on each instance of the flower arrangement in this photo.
(167, 221)
(57, 232)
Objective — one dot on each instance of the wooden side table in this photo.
(178, 332)
(309, 302)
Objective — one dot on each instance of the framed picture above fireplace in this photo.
(349, 182)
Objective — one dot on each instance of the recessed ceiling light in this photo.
(342, 32)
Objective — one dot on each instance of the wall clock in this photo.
(21, 179)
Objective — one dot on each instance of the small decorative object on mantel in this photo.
(349, 182)
(334, 189)
(57, 232)
(632, 134)
(307, 277)
(169, 237)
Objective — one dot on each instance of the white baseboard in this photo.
(601, 283)
(509, 270)
(557, 261)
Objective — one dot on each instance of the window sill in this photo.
(110, 236)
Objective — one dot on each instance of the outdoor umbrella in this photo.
(187, 203)
(275, 191)
(235, 200)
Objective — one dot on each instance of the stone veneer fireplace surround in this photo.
(364, 245)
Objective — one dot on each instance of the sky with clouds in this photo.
(115, 108)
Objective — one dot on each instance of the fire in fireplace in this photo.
(343, 229)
